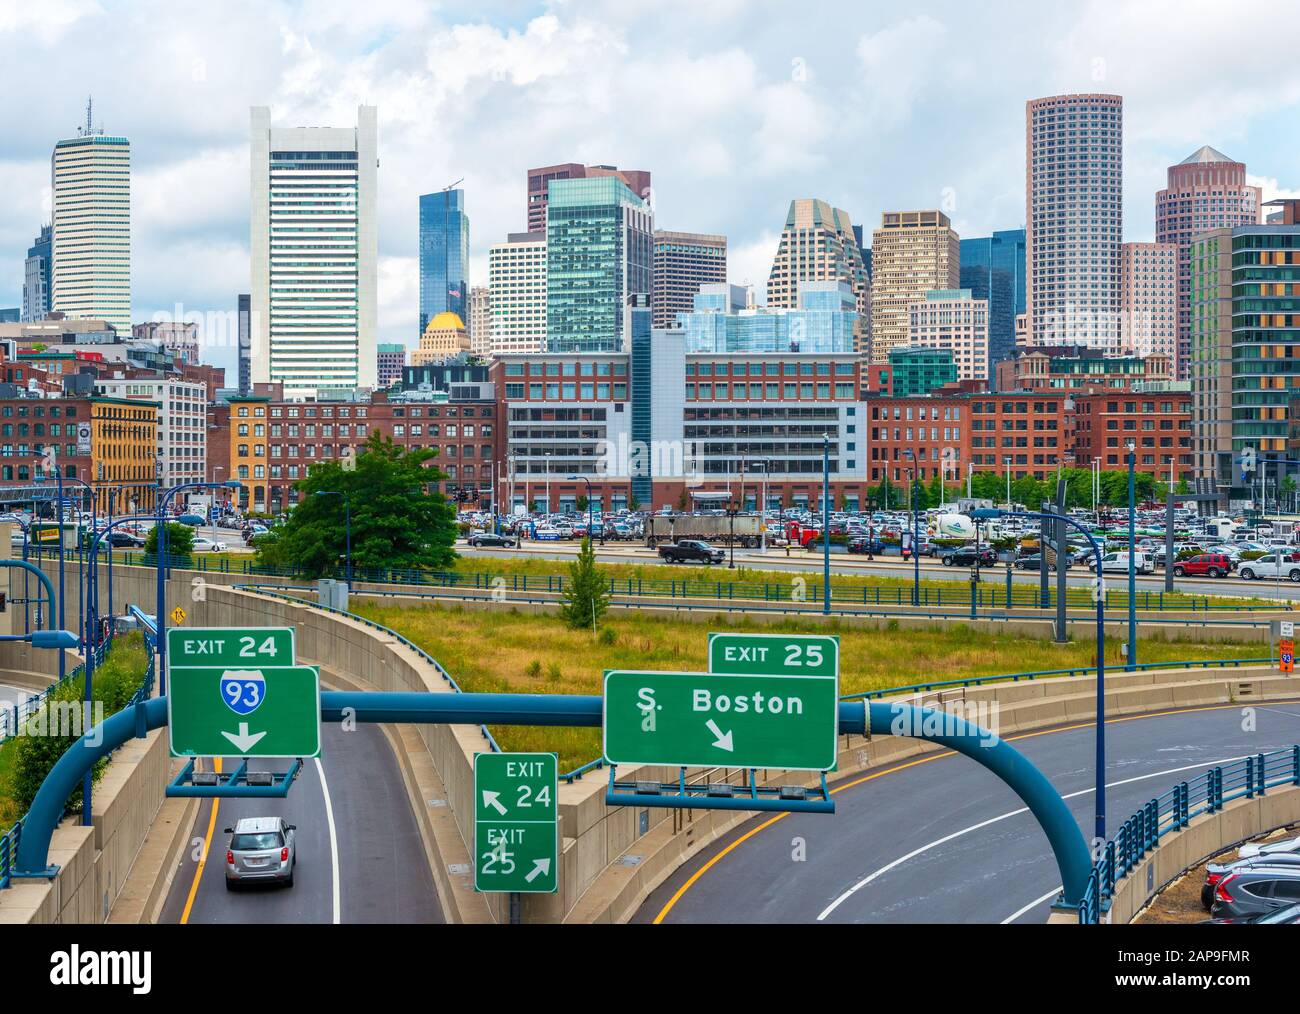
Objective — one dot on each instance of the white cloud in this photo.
(898, 63)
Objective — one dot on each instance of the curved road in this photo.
(941, 839)
(360, 855)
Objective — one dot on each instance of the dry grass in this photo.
(510, 652)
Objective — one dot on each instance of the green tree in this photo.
(633, 504)
(581, 503)
(681, 501)
(180, 541)
(586, 594)
(395, 523)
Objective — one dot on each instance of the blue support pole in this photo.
(826, 524)
(1130, 661)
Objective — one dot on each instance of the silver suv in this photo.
(260, 849)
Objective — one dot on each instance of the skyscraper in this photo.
(314, 244)
(953, 321)
(517, 284)
(599, 251)
(912, 253)
(683, 262)
(391, 357)
(1149, 299)
(1206, 190)
(1074, 213)
(444, 255)
(244, 332)
(480, 320)
(90, 256)
(36, 277)
(539, 180)
(993, 268)
(818, 244)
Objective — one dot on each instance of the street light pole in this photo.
(826, 523)
(1130, 660)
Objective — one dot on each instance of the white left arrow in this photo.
(722, 740)
(492, 799)
(244, 740)
(541, 868)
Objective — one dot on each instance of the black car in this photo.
(123, 540)
(490, 539)
(862, 544)
(1035, 562)
(1255, 889)
(964, 556)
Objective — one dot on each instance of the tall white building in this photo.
(951, 320)
(182, 423)
(90, 271)
(314, 248)
(517, 285)
(1074, 192)
(480, 320)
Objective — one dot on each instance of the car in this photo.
(865, 545)
(1204, 565)
(691, 549)
(193, 520)
(1034, 561)
(1214, 872)
(261, 850)
(1118, 563)
(1255, 889)
(1272, 848)
(205, 545)
(490, 539)
(123, 540)
(965, 556)
(1275, 565)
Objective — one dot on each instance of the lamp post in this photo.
(160, 553)
(591, 515)
(1130, 659)
(347, 531)
(989, 513)
(916, 525)
(826, 523)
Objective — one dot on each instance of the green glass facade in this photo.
(600, 249)
(920, 371)
(1245, 363)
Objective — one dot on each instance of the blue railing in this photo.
(1243, 778)
(956, 597)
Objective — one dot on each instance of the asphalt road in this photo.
(841, 563)
(944, 840)
(360, 856)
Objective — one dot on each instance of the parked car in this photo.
(490, 539)
(691, 550)
(193, 520)
(1255, 890)
(1214, 872)
(1275, 565)
(965, 556)
(1204, 565)
(865, 545)
(202, 545)
(1119, 562)
(1034, 561)
(261, 849)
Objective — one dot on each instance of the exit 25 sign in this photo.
(775, 654)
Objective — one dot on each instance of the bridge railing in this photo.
(1243, 778)
(958, 597)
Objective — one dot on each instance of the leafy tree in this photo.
(681, 501)
(394, 522)
(586, 594)
(581, 503)
(633, 504)
(180, 540)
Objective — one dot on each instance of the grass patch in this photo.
(510, 652)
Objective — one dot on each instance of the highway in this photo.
(931, 570)
(360, 855)
(940, 839)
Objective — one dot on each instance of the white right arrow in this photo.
(244, 741)
(541, 867)
(722, 739)
(492, 799)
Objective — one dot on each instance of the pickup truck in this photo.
(690, 549)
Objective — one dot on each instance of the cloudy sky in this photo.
(735, 106)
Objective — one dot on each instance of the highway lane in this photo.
(365, 865)
(841, 563)
(944, 840)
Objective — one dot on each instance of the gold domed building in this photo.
(444, 336)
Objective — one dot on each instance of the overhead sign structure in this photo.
(775, 654)
(685, 719)
(516, 822)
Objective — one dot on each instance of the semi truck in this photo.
(713, 528)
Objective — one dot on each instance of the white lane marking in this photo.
(334, 839)
(993, 820)
(1036, 902)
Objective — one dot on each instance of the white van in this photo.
(1118, 563)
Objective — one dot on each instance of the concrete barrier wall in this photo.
(1205, 836)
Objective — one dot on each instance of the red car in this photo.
(1205, 565)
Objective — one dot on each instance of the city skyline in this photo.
(523, 71)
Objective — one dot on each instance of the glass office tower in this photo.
(444, 256)
(993, 268)
(823, 323)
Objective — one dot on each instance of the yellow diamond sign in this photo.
(178, 615)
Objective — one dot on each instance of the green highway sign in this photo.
(516, 822)
(696, 719)
(775, 654)
(249, 647)
(244, 710)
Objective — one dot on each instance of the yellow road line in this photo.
(681, 891)
(203, 858)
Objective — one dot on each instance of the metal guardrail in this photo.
(1246, 777)
(812, 608)
(761, 591)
